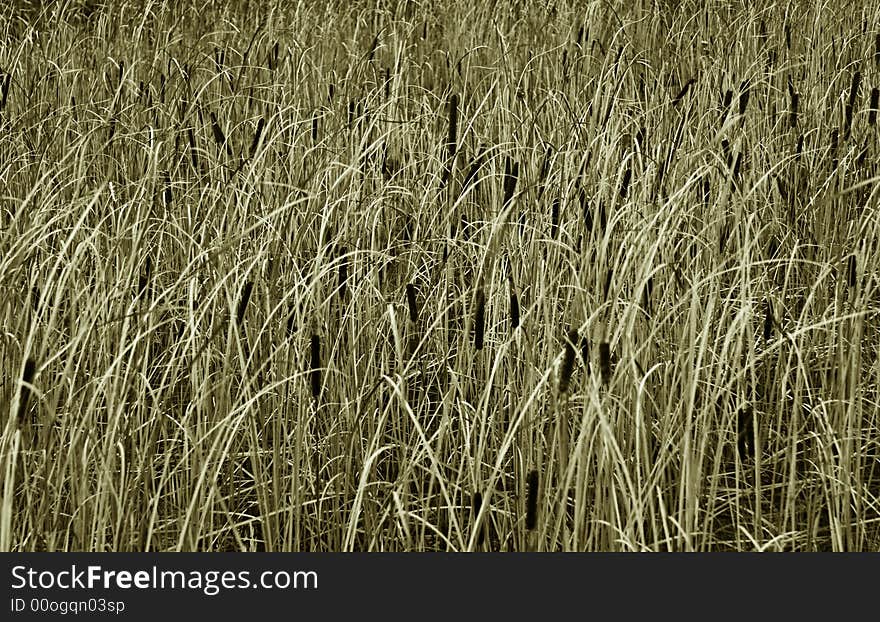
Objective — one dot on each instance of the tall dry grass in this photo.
(318, 279)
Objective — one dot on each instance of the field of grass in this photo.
(396, 276)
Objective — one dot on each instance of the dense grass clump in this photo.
(366, 276)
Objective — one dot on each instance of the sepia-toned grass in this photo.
(573, 276)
